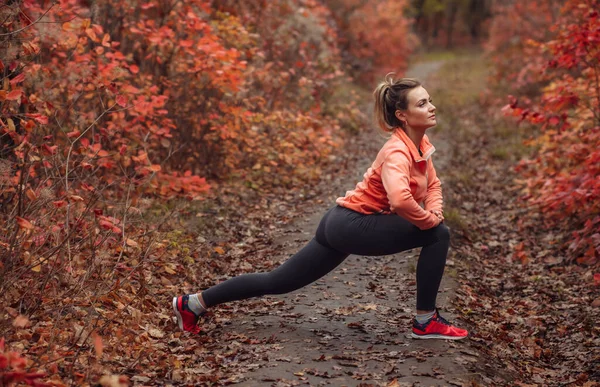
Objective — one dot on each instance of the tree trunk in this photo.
(452, 11)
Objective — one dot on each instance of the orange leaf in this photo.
(30, 194)
(68, 26)
(98, 346)
(154, 168)
(131, 243)
(219, 250)
(21, 321)
(91, 34)
(24, 223)
(106, 40)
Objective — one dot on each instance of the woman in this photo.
(397, 207)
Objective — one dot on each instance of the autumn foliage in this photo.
(14, 369)
(108, 109)
(376, 36)
(559, 57)
(149, 99)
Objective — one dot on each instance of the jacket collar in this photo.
(426, 146)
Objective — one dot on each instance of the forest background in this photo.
(120, 119)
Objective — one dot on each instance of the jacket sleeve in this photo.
(433, 198)
(395, 176)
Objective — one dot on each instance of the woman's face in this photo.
(420, 113)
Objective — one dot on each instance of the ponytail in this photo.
(390, 96)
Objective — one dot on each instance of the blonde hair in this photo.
(391, 95)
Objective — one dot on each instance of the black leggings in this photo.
(343, 232)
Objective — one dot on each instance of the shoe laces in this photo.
(441, 319)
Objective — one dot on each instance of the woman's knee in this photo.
(442, 233)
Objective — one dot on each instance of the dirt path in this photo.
(351, 327)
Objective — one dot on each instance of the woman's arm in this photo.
(433, 199)
(395, 176)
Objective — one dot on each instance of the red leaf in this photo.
(14, 95)
(59, 203)
(87, 187)
(554, 120)
(40, 118)
(105, 224)
(121, 100)
(74, 133)
(18, 79)
(50, 149)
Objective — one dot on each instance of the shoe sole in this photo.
(424, 337)
(177, 314)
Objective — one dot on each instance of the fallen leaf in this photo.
(21, 321)
(131, 243)
(24, 223)
(169, 270)
(156, 333)
(98, 345)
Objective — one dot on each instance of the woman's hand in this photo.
(439, 214)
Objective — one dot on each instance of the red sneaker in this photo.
(186, 319)
(437, 328)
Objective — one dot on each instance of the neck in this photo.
(415, 135)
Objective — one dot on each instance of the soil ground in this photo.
(351, 327)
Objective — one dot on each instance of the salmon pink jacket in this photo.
(400, 181)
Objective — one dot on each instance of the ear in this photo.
(400, 115)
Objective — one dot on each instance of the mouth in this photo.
(433, 116)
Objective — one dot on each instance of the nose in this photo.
(431, 107)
